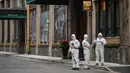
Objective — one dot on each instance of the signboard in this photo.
(52, 2)
(86, 5)
(104, 5)
(12, 14)
(29, 1)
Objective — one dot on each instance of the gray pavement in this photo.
(12, 64)
(109, 67)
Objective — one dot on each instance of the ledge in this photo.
(116, 37)
(113, 40)
(8, 44)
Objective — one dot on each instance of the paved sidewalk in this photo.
(55, 59)
(60, 60)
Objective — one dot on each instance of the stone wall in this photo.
(112, 55)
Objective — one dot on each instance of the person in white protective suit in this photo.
(86, 48)
(99, 50)
(74, 45)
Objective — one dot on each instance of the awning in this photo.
(13, 13)
(49, 2)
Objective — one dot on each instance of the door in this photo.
(21, 36)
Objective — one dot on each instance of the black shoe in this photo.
(87, 68)
(96, 64)
(73, 69)
(77, 68)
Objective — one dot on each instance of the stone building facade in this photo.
(52, 23)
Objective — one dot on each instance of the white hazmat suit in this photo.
(99, 50)
(74, 45)
(86, 48)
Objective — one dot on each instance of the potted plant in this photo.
(112, 46)
(64, 44)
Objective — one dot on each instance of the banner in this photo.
(60, 28)
(44, 20)
(33, 28)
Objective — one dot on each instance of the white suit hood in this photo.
(85, 37)
(100, 34)
(73, 37)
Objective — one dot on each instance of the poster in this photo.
(33, 28)
(60, 28)
(44, 20)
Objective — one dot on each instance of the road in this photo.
(10, 64)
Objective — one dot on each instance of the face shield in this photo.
(85, 37)
(100, 35)
(73, 37)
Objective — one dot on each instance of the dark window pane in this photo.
(2, 31)
(8, 3)
(8, 40)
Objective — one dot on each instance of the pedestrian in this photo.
(74, 45)
(86, 48)
(99, 49)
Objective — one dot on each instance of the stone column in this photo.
(125, 31)
(128, 51)
(122, 33)
(5, 25)
(69, 19)
(0, 27)
(89, 26)
(38, 10)
(92, 51)
(51, 29)
(11, 27)
(93, 20)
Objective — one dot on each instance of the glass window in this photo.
(108, 20)
(8, 3)
(2, 31)
(8, 37)
(44, 20)
(15, 29)
(33, 12)
(33, 26)
(2, 4)
(44, 8)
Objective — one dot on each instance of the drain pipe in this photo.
(28, 29)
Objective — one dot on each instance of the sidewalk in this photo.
(60, 60)
(55, 59)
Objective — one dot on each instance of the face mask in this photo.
(99, 37)
(72, 38)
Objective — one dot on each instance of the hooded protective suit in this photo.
(86, 47)
(74, 45)
(100, 42)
